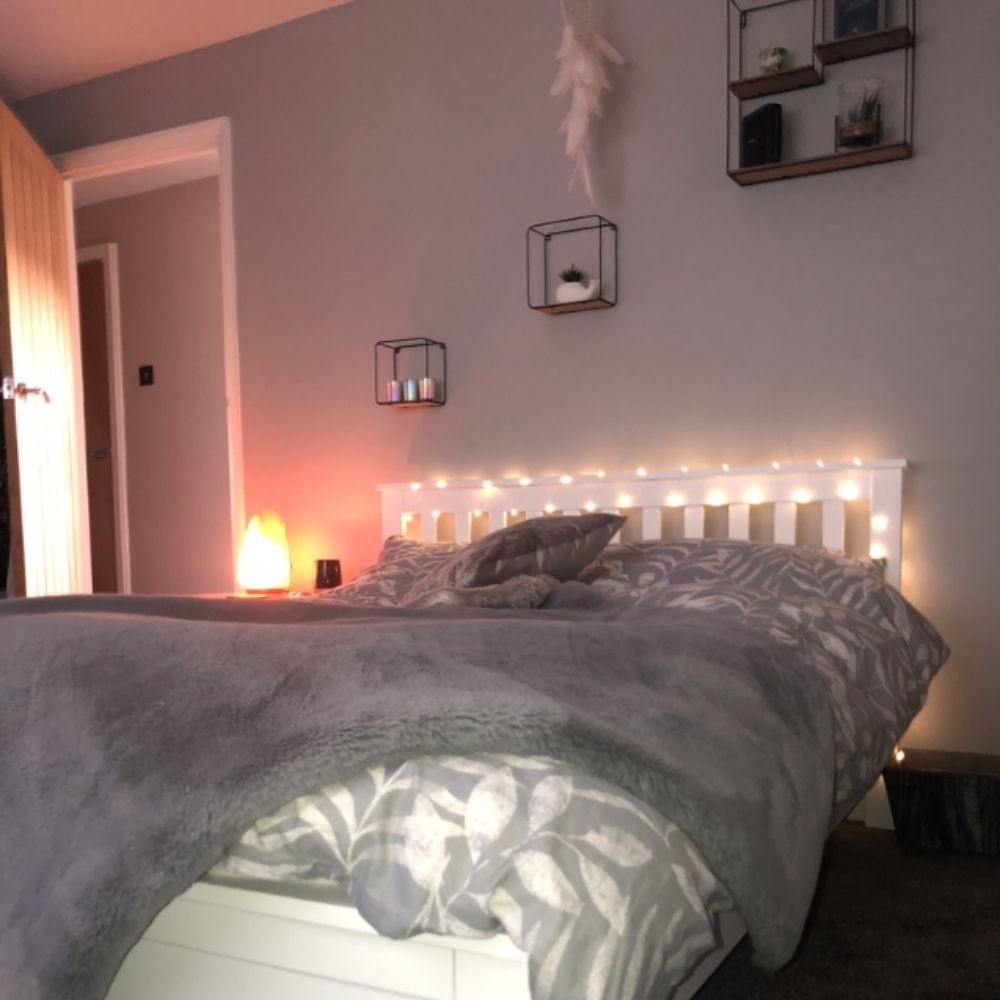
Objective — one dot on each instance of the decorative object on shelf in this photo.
(591, 239)
(760, 136)
(867, 130)
(328, 574)
(772, 60)
(582, 75)
(572, 288)
(264, 565)
(410, 373)
(857, 17)
(859, 122)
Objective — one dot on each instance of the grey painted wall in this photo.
(388, 156)
(171, 306)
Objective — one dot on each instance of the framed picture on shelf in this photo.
(856, 17)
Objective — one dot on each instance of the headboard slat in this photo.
(834, 524)
(785, 515)
(694, 521)
(739, 520)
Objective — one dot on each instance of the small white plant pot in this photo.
(577, 291)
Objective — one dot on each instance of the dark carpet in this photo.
(887, 924)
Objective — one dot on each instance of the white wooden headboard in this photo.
(476, 506)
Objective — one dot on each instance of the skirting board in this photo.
(221, 943)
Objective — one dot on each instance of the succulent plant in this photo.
(572, 273)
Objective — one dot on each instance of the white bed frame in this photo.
(224, 943)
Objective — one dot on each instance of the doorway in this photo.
(144, 522)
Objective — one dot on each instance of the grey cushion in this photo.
(559, 547)
(400, 565)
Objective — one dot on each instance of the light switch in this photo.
(145, 375)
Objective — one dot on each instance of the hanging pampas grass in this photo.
(581, 75)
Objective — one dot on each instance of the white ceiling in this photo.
(47, 44)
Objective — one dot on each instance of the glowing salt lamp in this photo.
(264, 566)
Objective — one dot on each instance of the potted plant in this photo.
(860, 120)
(572, 287)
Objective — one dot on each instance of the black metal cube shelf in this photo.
(587, 242)
(411, 373)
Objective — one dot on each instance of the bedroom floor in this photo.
(888, 924)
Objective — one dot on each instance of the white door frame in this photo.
(170, 146)
(107, 254)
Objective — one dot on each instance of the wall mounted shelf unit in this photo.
(817, 17)
(411, 374)
(589, 242)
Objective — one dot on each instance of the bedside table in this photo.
(949, 801)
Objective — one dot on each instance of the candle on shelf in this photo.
(410, 390)
(394, 390)
(428, 388)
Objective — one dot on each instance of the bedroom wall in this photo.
(388, 157)
(171, 309)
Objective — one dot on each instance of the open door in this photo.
(40, 368)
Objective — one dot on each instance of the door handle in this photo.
(21, 391)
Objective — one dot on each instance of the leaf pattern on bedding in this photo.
(876, 651)
(567, 865)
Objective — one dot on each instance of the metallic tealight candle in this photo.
(394, 390)
(410, 390)
(428, 388)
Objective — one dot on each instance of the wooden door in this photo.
(40, 358)
(98, 422)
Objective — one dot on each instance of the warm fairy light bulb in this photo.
(442, 484)
(590, 506)
(435, 514)
(725, 466)
(477, 513)
(487, 484)
(565, 480)
(525, 481)
(776, 465)
(802, 496)
(641, 471)
(600, 473)
(848, 490)
(754, 495)
(899, 755)
(514, 512)
(406, 518)
(675, 500)
(877, 550)
(856, 461)
(819, 462)
(684, 468)
(716, 498)
(624, 500)
(880, 522)
(414, 487)
(550, 508)
(264, 565)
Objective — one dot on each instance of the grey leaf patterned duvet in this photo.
(609, 899)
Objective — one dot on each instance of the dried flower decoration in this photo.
(582, 75)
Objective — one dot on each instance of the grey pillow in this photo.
(400, 565)
(541, 546)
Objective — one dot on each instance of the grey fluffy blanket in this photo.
(140, 737)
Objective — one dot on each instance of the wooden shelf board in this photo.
(746, 176)
(414, 405)
(571, 307)
(775, 83)
(868, 44)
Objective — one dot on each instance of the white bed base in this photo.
(222, 943)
